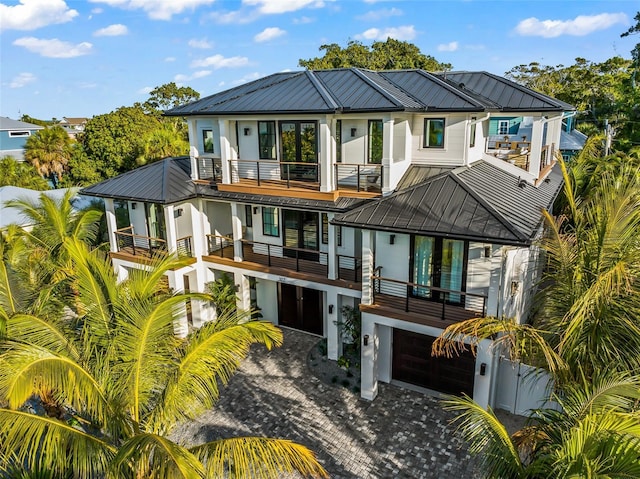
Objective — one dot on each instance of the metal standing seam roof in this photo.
(358, 90)
(480, 202)
(10, 124)
(166, 181)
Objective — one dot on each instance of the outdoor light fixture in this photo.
(133, 206)
(353, 132)
(392, 239)
(483, 369)
(331, 309)
(247, 131)
(365, 340)
(177, 213)
(514, 287)
(255, 210)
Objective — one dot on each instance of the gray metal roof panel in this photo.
(166, 181)
(572, 140)
(10, 124)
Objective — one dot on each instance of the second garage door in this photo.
(413, 363)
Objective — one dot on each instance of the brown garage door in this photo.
(413, 363)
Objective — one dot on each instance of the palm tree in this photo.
(588, 318)
(97, 393)
(49, 151)
(23, 175)
(594, 433)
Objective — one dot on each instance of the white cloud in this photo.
(268, 7)
(269, 34)
(202, 43)
(237, 17)
(448, 47)
(157, 9)
(145, 90)
(302, 20)
(407, 32)
(247, 78)
(375, 15)
(97, 10)
(114, 30)
(54, 48)
(579, 26)
(33, 14)
(180, 78)
(23, 79)
(218, 61)
(170, 59)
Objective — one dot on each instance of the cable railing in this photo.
(209, 169)
(278, 173)
(359, 177)
(442, 303)
(220, 245)
(287, 257)
(349, 268)
(139, 245)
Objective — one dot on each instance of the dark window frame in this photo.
(370, 146)
(204, 141)
(270, 134)
(338, 141)
(248, 216)
(426, 143)
(272, 214)
(472, 139)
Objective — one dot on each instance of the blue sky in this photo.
(83, 58)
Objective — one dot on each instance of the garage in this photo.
(413, 364)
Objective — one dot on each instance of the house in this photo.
(13, 137)
(73, 126)
(384, 191)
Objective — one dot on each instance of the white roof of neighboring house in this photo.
(12, 215)
(9, 124)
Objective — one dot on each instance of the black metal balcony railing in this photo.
(359, 177)
(209, 169)
(148, 246)
(220, 245)
(430, 301)
(349, 268)
(276, 173)
(286, 257)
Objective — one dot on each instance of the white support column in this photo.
(496, 280)
(170, 223)
(368, 258)
(333, 331)
(387, 152)
(197, 238)
(236, 225)
(180, 325)
(244, 291)
(482, 386)
(332, 247)
(193, 150)
(110, 215)
(326, 153)
(554, 127)
(536, 146)
(225, 150)
(369, 359)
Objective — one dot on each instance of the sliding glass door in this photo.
(439, 266)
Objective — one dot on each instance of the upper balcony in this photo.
(140, 247)
(518, 152)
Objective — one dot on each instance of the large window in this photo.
(270, 223)
(207, 141)
(375, 141)
(267, 139)
(439, 267)
(248, 217)
(433, 133)
(298, 141)
(338, 141)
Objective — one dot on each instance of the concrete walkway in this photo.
(402, 434)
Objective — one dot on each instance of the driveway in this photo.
(402, 434)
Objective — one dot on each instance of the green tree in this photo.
(108, 384)
(18, 173)
(595, 434)
(82, 170)
(114, 141)
(162, 142)
(169, 96)
(49, 150)
(36, 121)
(388, 55)
(634, 30)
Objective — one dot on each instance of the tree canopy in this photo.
(49, 150)
(388, 55)
(168, 96)
(21, 174)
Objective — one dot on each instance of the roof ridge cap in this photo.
(516, 232)
(359, 73)
(451, 88)
(320, 88)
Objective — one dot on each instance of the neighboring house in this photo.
(13, 137)
(13, 216)
(73, 126)
(317, 190)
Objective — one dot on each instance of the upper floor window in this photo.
(270, 223)
(433, 133)
(325, 231)
(207, 141)
(503, 127)
(338, 141)
(248, 217)
(375, 141)
(472, 138)
(298, 141)
(267, 139)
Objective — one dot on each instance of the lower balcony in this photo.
(422, 304)
(147, 247)
(299, 260)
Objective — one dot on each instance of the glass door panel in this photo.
(452, 268)
(423, 265)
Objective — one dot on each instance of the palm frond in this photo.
(149, 455)
(46, 443)
(487, 437)
(212, 355)
(43, 333)
(258, 458)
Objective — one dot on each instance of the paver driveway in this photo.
(402, 434)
